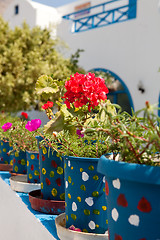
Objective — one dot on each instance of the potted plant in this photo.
(6, 122)
(21, 140)
(133, 175)
(51, 169)
(85, 103)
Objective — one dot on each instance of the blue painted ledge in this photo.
(47, 220)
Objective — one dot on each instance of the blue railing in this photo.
(103, 17)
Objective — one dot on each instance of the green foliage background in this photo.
(26, 54)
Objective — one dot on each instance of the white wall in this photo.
(130, 49)
(26, 12)
(16, 221)
(33, 13)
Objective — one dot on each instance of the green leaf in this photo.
(47, 85)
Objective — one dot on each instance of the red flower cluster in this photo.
(24, 115)
(47, 105)
(85, 89)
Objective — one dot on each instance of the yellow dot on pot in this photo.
(41, 185)
(10, 144)
(51, 174)
(11, 162)
(95, 194)
(95, 177)
(104, 208)
(65, 165)
(72, 168)
(30, 176)
(43, 171)
(106, 221)
(69, 195)
(62, 196)
(69, 179)
(4, 150)
(104, 190)
(0, 151)
(23, 162)
(79, 199)
(44, 150)
(65, 204)
(36, 173)
(91, 167)
(27, 163)
(16, 169)
(54, 192)
(82, 187)
(85, 230)
(16, 154)
(86, 212)
(32, 157)
(96, 211)
(97, 226)
(72, 183)
(1, 143)
(73, 216)
(66, 217)
(60, 170)
(81, 169)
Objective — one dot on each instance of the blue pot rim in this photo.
(129, 171)
(73, 158)
(32, 152)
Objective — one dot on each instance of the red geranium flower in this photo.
(85, 89)
(47, 105)
(24, 114)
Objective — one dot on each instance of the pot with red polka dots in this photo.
(33, 174)
(5, 147)
(85, 195)
(51, 173)
(19, 162)
(133, 193)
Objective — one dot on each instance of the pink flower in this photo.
(33, 125)
(24, 114)
(79, 133)
(6, 126)
(74, 229)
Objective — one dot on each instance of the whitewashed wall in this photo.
(26, 12)
(16, 221)
(130, 49)
(33, 13)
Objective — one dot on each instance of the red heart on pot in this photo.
(121, 200)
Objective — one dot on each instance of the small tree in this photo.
(26, 54)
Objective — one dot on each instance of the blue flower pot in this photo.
(51, 174)
(19, 162)
(85, 195)
(5, 147)
(33, 170)
(133, 193)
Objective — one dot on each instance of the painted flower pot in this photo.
(33, 170)
(133, 193)
(5, 147)
(85, 195)
(19, 162)
(51, 174)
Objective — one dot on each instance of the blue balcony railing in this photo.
(103, 14)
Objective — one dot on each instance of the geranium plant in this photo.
(85, 103)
